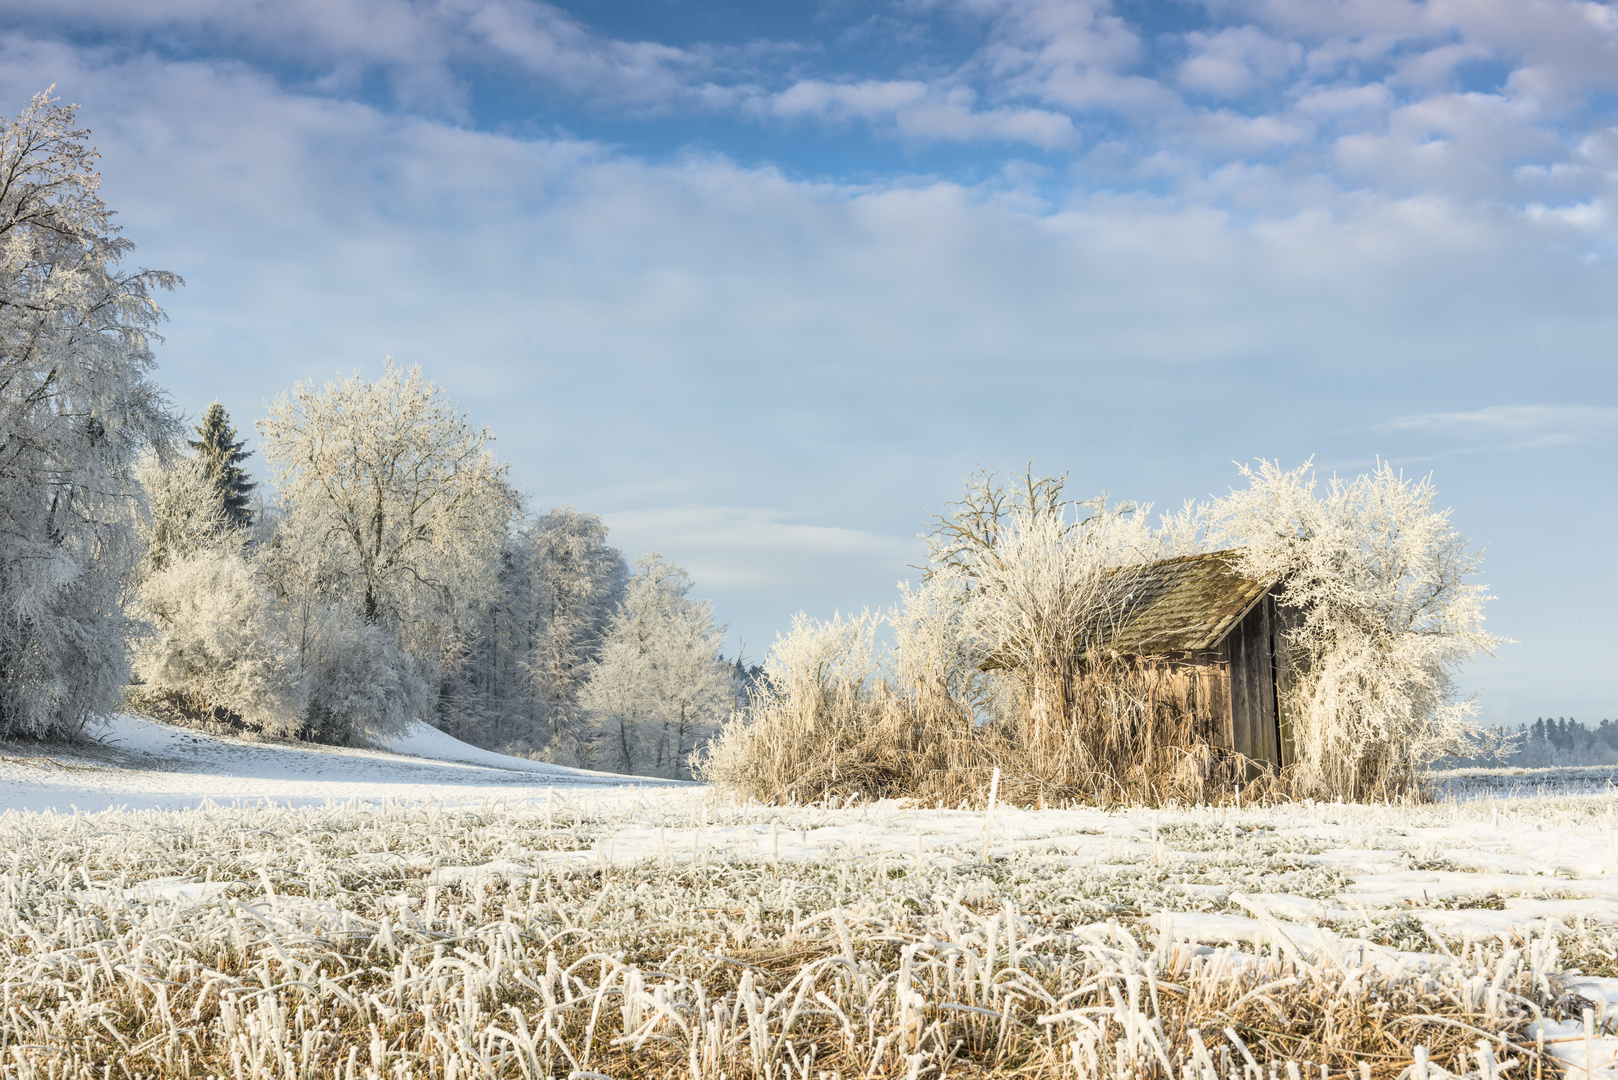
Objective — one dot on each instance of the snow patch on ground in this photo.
(425, 741)
(140, 764)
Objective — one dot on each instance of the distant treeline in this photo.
(1562, 740)
(1554, 741)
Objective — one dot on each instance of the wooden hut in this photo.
(1218, 633)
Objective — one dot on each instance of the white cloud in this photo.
(1584, 216)
(556, 47)
(1237, 60)
(1240, 135)
(917, 111)
(1466, 146)
(737, 547)
(1065, 54)
(1518, 426)
(830, 101)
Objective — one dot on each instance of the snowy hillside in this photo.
(136, 763)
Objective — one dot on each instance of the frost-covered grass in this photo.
(664, 933)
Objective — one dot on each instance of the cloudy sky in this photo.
(761, 283)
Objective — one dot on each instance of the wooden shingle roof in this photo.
(1186, 604)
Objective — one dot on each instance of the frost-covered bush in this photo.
(928, 626)
(361, 682)
(1385, 608)
(1046, 580)
(818, 710)
(220, 644)
(76, 409)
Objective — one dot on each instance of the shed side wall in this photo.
(1252, 686)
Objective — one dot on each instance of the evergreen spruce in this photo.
(222, 454)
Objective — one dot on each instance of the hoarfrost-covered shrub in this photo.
(220, 643)
(821, 697)
(928, 626)
(361, 683)
(1380, 586)
(822, 662)
(1048, 582)
(183, 513)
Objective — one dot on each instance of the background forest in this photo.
(397, 576)
(393, 574)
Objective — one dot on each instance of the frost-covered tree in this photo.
(358, 680)
(571, 582)
(76, 408)
(487, 699)
(533, 636)
(222, 455)
(182, 515)
(393, 503)
(1380, 587)
(659, 685)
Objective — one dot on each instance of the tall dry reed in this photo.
(1132, 734)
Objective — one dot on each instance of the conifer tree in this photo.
(222, 454)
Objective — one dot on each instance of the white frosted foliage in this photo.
(1387, 611)
(659, 685)
(76, 408)
(183, 514)
(220, 642)
(393, 518)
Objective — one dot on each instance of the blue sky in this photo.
(761, 283)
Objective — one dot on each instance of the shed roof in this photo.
(1186, 604)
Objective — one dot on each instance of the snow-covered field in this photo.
(141, 764)
(435, 910)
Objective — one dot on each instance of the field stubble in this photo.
(513, 941)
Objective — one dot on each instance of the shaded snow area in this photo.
(136, 763)
(1516, 782)
(497, 917)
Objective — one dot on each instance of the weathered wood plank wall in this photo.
(1254, 730)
